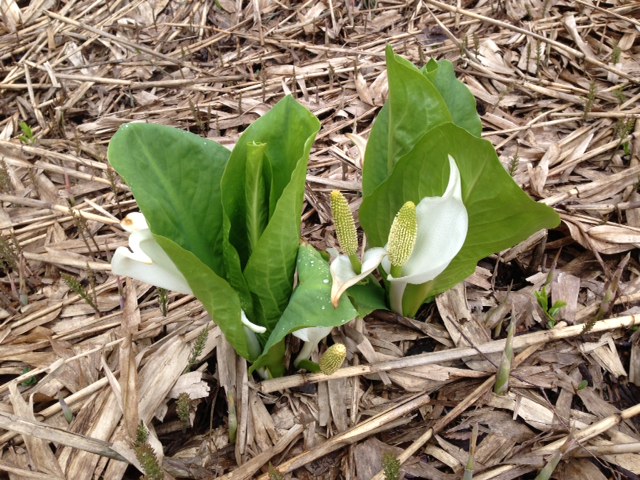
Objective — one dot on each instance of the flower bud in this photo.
(333, 358)
(402, 236)
(344, 224)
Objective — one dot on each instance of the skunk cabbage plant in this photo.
(225, 225)
(425, 148)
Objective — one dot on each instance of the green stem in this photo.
(414, 296)
(253, 343)
(396, 271)
(305, 352)
(356, 264)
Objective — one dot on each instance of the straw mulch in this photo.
(84, 356)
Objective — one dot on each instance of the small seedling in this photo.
(233, 417)
(391, 466)
(8, 254)
(30, 382)
(549, 468)
(624, 128)
(469, 468)
(513, 164)
(146, 456)
(616, 53)
(183, 409)
(504, 370)
(274, 474)
(591, 99)
(66, 411)
(27, 134)
(163, 301)
(5, 179)
(198, 347)
(76, 287)
(619, 94)
(550, 311)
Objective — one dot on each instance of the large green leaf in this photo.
(309, 306)
(175, 178)
(500, 213)
(414, 107)
(267, 258)
(459, 100)
(215, 293)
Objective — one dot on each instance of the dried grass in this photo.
(83, 361)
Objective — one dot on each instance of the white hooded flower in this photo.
(145, 260)
(442, 230)
(442, 224)
(311, 336)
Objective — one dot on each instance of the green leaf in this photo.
(459, 100)
(267, 258)
(310, 304)
(367, 296)
(218, 297)
(256, 193)
(414, 107)
(175, 178)
(500, 213)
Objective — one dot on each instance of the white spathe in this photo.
(344, 276)
(145, 260)
(311, 336)
(442, 230)
(250, 325)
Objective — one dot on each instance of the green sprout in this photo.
(469, 468)
(183, 408)
(391, 466)
(623, 129)
(616, 53)
(274, 474)
(196, 350)
(504, 370)
(8, 253)
(76, 287)
(5, 179)
(146, 456)
(163, 300)
(551, 311)
(619, 94)
(27, 134)
(591, 99)
(29, 382)
(513, 164)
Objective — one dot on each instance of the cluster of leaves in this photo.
(551, 310)
(430, 115)
(230, 219)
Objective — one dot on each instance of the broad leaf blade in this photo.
(459, 100)
(310, 304)
(218, 297)
(285, 130)
(175, 178)
(414, 107)
(367, 296)
(268, 264)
